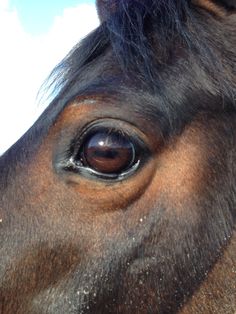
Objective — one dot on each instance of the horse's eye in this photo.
(107, 152)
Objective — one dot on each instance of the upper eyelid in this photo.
(124, 127)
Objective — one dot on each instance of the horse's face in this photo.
(120, 199)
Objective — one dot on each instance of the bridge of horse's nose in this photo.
(39, 247)
(29, 213)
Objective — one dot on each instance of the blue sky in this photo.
(37, 16)
(34, 36)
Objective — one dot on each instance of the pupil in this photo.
(108, 152)
(105, 154)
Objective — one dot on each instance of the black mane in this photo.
(147, 37)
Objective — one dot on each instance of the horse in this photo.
(121, 198)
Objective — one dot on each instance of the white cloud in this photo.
(3, 4)
(25, 62)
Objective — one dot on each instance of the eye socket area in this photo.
(107, 152)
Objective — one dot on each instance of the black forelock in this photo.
(143, 36)
(137, 25)
(128, 32)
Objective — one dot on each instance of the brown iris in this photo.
(108, 152)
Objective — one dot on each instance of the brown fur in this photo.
(211, 7)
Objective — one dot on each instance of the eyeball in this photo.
(107, 151)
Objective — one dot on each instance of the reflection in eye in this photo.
(108, 152)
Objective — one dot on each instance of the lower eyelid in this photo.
(89, 173)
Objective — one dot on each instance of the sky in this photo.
(34, 37)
